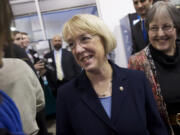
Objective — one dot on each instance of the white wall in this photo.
(111, 11)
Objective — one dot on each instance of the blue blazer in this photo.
(133, 112)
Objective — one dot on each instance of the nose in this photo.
(139, 4)
(160, 32)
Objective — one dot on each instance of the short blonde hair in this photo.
(92, 25)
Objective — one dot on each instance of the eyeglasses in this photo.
(82, 40)
(165, 28)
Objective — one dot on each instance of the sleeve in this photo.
(39, 93)
(40, 101)
(155, 124)
(9, 115)
(63, 125)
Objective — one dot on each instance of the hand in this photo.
(39, 66)
(42, 72)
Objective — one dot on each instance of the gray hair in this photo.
(166, 7)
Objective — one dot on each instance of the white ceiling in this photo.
(24, 7)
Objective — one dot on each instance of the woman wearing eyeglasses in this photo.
(104, 99)
(160, 61)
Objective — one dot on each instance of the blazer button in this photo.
(121, 88)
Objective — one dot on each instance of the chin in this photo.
(163, 48)
(90, 68)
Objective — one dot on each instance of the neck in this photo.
(102, 80)
(102, 74)
(57, 49)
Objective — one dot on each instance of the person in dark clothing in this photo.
(63, 63)
(138, 31)
(160, 60)
(98, 101)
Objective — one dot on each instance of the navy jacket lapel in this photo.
(90, 98)
(119, 93)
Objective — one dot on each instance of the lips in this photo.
(162, 39)
(142, 9)
(86, 58)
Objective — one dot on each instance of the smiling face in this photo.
(142, 6)
(162, 34)
(25, 41)
(88, 51)
(18, 39)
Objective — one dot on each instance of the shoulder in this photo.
(68, 55)
(65, 51)
(68, 87)
(136, 25)
(17, 68)
(139, 56)
(127, 74)
(71, 89)
(15, 63)
(131, 74)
